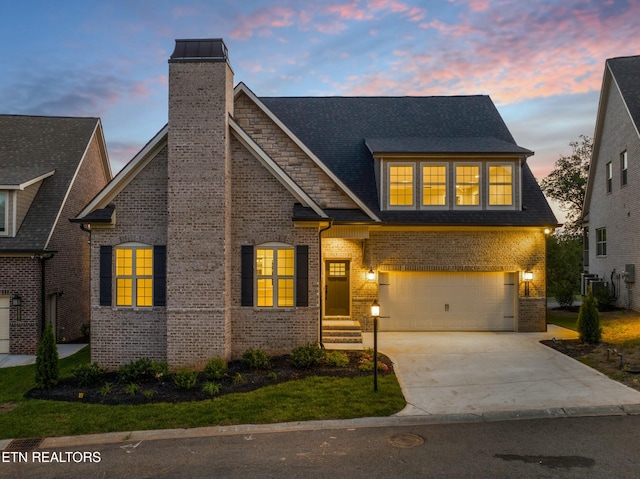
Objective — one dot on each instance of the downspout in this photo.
(320, 266)
(43, 306)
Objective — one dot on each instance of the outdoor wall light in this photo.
(371, 275)
(16, 301)
(527, 276)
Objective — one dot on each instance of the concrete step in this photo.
(341, 332)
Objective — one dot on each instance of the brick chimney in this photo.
(198, 222)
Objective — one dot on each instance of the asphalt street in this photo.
(586, 447)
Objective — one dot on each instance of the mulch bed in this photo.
(164, 390)
(571, 347)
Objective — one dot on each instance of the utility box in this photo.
(629, 273)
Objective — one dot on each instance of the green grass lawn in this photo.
(313, 398)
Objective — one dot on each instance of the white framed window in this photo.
(134, 275)
(275, 276)
(609, 173)
(434, 185)
(601, 242)
(4, 215)
(401, 185)
(623, 168)
(467, 184)
(501, 185)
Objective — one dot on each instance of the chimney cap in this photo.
(200, 50)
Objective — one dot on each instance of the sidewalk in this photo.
(11, 360)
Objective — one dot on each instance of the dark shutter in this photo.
(159, 275)
(105, 275)
(247, 276)
(302, 275)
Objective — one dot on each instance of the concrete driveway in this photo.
(479, 373)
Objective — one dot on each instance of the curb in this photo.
(369, 422)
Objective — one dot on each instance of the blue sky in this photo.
(540, 61)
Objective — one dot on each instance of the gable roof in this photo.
(34, 148)
(626, 74)
(621, 73)
(345, 133)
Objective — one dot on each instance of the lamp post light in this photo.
(375, 312)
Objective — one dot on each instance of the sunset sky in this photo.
(540, 61)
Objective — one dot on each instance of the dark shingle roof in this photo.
(343, 131)
(626, 71)
(32, 146)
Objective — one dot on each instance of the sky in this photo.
(541, 62)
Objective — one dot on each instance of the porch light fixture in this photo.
(371, 275)
(16, 301)
(527, 276)
(375, 312)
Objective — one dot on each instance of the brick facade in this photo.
(616, 211)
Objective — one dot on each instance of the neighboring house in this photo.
(50, 167)
(612, 198)
(270, 223)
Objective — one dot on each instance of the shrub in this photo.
(238, 378)
(336, 359)
(106, 389)
(185, 378)
(589, 321)
(136, 370)
(215, 368)
(159, 369)
(256, 359)
(211, 388)
(85, 330)
(88, 374)
(603, 298)
(565, 293)
(47, 372)
(132, 389)
(306, 356)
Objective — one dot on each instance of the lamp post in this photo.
(375, 312)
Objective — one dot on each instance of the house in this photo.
(261, 222)
(50, 167)
(612, 197)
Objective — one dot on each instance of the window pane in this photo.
(285, 292)
(144, 292)
(265, 292)
(3, 211)
(264, 262)
(467, 185)
(401, 185)
(434, 185)
(124, 262)
(124, 291)
(144, 262)
(285, 262)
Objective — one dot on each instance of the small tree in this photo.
(47, 360)
(589, 321)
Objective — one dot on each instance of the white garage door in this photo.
(418, 301)
(4, 324)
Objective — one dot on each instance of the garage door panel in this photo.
(4, 324)
(447, 301)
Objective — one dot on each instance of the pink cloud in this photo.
(557, 50)
(263, 21)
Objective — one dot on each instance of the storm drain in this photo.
(406, 440)
(24, 445)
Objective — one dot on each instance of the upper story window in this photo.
(623, 168)
(401, 182)
(275, 276)
(601, 241)
(467, 185)
(434, 185)
(500, 185)
(4, 228)
(609, 173)
(134, 275)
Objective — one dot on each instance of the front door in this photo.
(337, 289)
